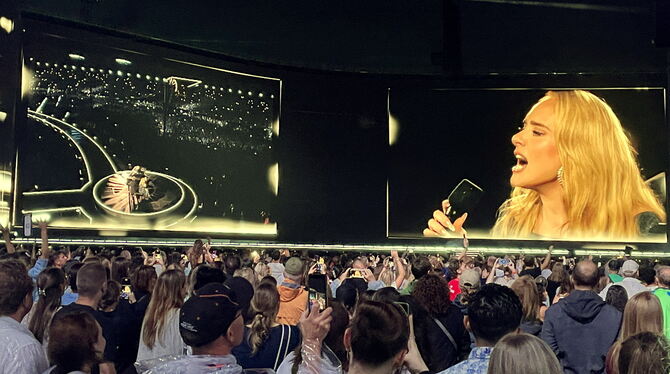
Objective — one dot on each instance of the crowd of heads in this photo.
(432, 312)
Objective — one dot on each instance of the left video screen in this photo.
(144, 139)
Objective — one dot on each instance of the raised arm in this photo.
(547, 259)
(492, 273)
(8, 242)
(45, 240)
(400, 269)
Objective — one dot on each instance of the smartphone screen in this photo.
(317, 284)
(125, 291)
(463, 198)
(356, 273)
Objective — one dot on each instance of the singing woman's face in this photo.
(537, 160)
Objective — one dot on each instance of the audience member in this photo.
(266, 342)
(523, 354)
(374, 347)
(633, 286)
(244, 292)
(555, 280)
(210, 322)
(70, 293)
(50, 285)
(581, 328)
(20, 352)
(142, 282)
(292, 295)
(91, 284)
(644, 353)
(420, 267)
(121, 270)
(468, 284)
(333, 358)
(248, 274)
(276, 267)
(160, 328)
(663, 294)
(76, 344)
(525, 289)
(613, 267)
(643, 313)
(110, 298)
(205, 274)
(494, 312)
(647, 276)
(438, 324)
(232, 263)
(617, 297)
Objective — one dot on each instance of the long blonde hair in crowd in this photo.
(602, 185)
(265, 306)
(168, 294)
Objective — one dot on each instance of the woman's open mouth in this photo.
(521, 163)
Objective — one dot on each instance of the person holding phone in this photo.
(266, 342)
(576, 176)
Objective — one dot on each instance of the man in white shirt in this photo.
(20, 352)
(633, 286)
(276, 267)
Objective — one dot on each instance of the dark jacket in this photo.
(580, 329)
(531, 327)
(437, 350)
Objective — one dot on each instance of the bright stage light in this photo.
(76, 57)
(122, 61)
(6, 24)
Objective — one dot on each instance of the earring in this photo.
(559, 175)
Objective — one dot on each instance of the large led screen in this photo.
(584, 165)
(144, 139)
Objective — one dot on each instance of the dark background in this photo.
(337, 61)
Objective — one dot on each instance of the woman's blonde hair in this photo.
(248, 274)
(523, 353)
(525, 288)
(602, 185)
(264, 306)
(168, 294)
(643, 313)
(388, 274)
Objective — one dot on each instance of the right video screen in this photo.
(528, 164)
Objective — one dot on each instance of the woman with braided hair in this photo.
(266, 342)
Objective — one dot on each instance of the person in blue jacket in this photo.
(581, 327)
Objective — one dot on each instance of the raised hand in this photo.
(441, 226)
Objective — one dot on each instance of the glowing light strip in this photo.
(51, 210)
(274, 245)
(221, 69)
(194, 82)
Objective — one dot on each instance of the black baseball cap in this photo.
(208, 315)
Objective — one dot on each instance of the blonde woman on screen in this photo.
(576, 176)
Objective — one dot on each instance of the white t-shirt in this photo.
(169, 343)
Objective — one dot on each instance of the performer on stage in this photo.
(576, 176)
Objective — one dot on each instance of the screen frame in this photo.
(159, 50)
(532, 82)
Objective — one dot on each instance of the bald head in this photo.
(663, 276)
(585, 274)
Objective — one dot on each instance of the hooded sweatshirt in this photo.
(580, 329)
(292, 302)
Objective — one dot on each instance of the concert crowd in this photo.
(203, 309)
